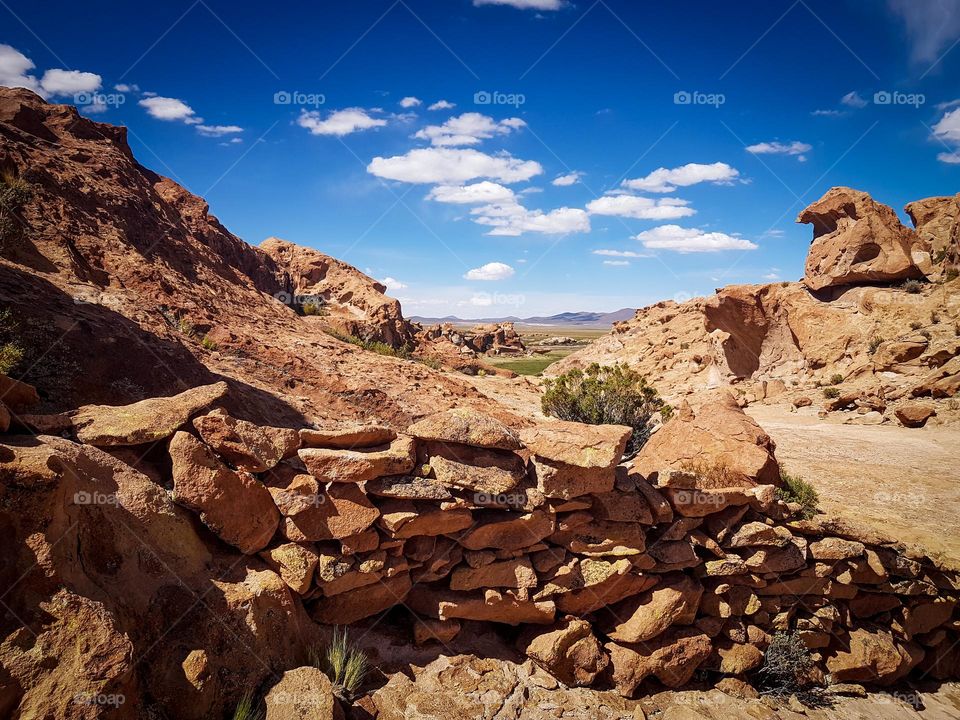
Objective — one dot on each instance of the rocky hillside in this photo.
(122, 285)
(877, 316)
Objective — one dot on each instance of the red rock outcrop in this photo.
(937, 221)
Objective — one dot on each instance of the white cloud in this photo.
(14, 69)
(691, 240)
(126, 87)
(621, 253)
(948, 128)
(480, 192)
(410, 102)
(853, 99)
(510, 219)
(951, 158)
(567, 180)
(468, 129)
(931, 26)
(663, 180)
(448, 166)
(164, 108)
(772, 275)
(69, 82)
(393, 283)
(641, 208)
(524, 4)
(442, 105)
(490, 271)
(616, 263)
(338, 122)
(218, 130)
(779, 148)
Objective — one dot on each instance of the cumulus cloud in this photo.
(393, 284)
(524, 4)
(442, 105)
(567, 180)
(218, 130)
(166, 108)
(511, 219)
(641, 208)
(621, 253)
(485, 192)
(778, 148)
(930, 26)
(490, 271)
(663, 180)
(338, 122)
(126, 87)
(691, 240)
(853, 99)
(468, 129)
(69, 82)
(449, 166)
(410, 102)
(15, 70)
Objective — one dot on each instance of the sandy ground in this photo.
(902, 481)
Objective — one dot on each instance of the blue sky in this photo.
(587, 155)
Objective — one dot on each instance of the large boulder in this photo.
(672, 658)
(232, 503)
(360, 464)
(466, 427)
(146, 421)
(873, 657)
(673, 602)
(715, 439)
(572, 459)
(937, 221)
(858, 240)
(569, 651)
(244, 445)
(304, 693)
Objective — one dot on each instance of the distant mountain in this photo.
(567, 319)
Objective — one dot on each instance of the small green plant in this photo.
(15, 192)
(609, 394)
(247, 709)
(685, 346)
(916, 325)
(913, 287)
(951, 274)
(313, 308)
(934, 317)
(836, 379)
(875, 342)
(10, 356)
(185, 327)
(831, 393)
(381, 348)
(666, 412)
(788, 669)
(795, 489)
(345, 665)
(208, 344)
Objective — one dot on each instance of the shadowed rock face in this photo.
(857, 240)
(937, 221)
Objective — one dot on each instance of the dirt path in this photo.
(904, 482)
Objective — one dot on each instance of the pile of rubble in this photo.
(617, 574)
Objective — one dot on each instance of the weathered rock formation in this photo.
(618, 578)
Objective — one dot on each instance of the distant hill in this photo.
(567, 319)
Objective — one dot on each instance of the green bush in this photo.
(14, 194)
(345, 665)
(875, 342)
(604, 394)
(34, 351)
(10, 356)
(916, 325)
(248, 709)
(208, 344)
(381, 348)
(312, 308)
(836, 379)
(797, 490)
(831, 392)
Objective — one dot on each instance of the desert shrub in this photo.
(875, 342)
(666, 412)
(381, 348)
(797, 490)
(313, 308)
(429, 362)
(599, 395)
(247, 709)
(831, 393)
(926, 333)
(912, 286)
(916, 325)
(10, 356)
(344, 664)
(15, 192)
(208, 344)
(685, 346)
(934, 317)
(951, 274)
(787, 670)
(836, 379)
(34, 352)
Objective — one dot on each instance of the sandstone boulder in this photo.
(914, 414)
(937, 223)
(145, 421)
(872, 657)
(295, 563)
(347, 436)
(405, 519)
(232, 503)
(360, 465)
(244, 445)
(857, 240)
(349, 607)
(313, 512)
(716, 440)
(672, 658)
(302, 694)
(572, 459)
(672, 602)
(489, 605)
(17, 395)
(508, 531)
(485, 473)
(466, 427)
(515, 573)
(570, 652)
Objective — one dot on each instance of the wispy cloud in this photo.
(691, 240)
(339, 122)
